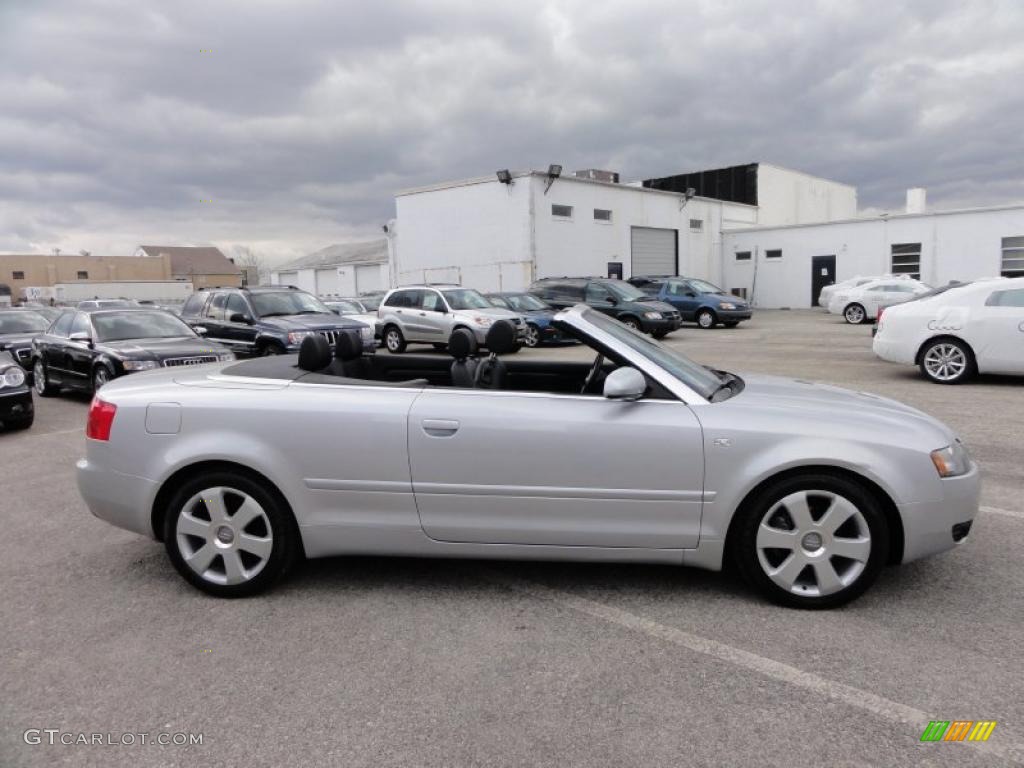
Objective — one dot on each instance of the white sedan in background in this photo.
(971, 328)
(860, 304)
(854, 282)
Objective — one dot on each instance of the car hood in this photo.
(17, 339)
(161, 349)
(319, 322)
(831, 408)
(722, 296)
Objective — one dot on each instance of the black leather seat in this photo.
(463, 347)
(500, 340)
(314, 353)
(348, 356)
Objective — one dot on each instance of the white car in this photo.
(970, 328)
(860, 304)
(854, 282)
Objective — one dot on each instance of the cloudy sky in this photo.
(287, 125)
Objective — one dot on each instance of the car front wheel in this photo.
(811, 541)
(632, 322)
(532, 336)
(229, 535)
(947, 361)
(706, 318)
(394, 341)
(100, 376)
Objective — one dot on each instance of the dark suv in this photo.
(268, 320)
(698, 301)
(616, 298)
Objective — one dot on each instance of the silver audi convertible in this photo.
(241, 469)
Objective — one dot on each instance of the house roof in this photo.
(365, 252)
(194, 260)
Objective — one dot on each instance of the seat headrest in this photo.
(501, 338)
(462, 344)
(314, 353)
(349, 345)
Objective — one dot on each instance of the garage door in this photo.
(327, 282)
(653, 251)
(288, 278)
(368, 278)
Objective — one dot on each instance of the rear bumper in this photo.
(892, 351)
(119, 499)
(928, 526)
(16, 404)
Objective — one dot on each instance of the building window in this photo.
(906, 259)
(600, 214)
(1013, 257)
(18, 275)
(696, 225)
(83, 275)
(561, 211)
(776, 254)
(742, 255)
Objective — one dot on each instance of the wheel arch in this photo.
(943, 337)
(159, 510)
(885, 503)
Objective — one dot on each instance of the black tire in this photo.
(22, 423)
(270, 348)
(731, 323)
(41, 382)
(101, 374)
(745, 555)
(706, 319)
(394, 341)
(285, 548)
(958, 351)
(855, 314)
(632, 322)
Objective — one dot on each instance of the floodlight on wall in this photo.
(554, 171)
(687, 196)
(504, 176)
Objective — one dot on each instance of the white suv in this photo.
(427, 314)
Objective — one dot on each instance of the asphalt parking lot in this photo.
(415, 662)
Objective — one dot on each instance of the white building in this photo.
(769, 233)
(349, 269)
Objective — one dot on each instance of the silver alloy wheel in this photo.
(633, 323)
(39, 377)
(807, 556)
(393, 340)
(945, 362)
(532, 336)
(224, 547)
(705, 319)
(100, 377)
(854, 314)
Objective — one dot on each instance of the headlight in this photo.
(366, 332)
(952, 460)
(483, 320)
(652, 315)
(296, 337)
(139, 365)
(226, 356)
(727, 305)
(12, 377)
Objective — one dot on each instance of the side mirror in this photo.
(200, 329)
(81, 336)
(690, 294)
(625, 384)
(238, 317)
(612, 300)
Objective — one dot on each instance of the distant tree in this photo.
(245, 256)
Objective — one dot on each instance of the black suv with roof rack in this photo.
(616, 298)
(266, 320)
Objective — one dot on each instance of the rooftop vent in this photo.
(917, 200)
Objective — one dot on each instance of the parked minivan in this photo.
(698, 301)
(616, 298)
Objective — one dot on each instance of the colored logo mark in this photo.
(958, 730)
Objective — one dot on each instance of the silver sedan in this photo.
(242, 469)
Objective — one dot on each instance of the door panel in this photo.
(823, 272)
(528, 468)
(997, 333)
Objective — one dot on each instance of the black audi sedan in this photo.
(17, 329)
(16, 411)
(84, 350)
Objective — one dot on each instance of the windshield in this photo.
(466, 298)
(695, 376)
(22, 322)
(524, 302)
(624, 291)
(346, 307)
(118, 326)
(704, 287)
(372, 303)
(287, 303)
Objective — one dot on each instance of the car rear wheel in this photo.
(855, 314)
(947, 361)
(706, 319)
(229, 535)
(100, 376)
(811, 541)
(41, 383)
(532, 336)
(394, 341)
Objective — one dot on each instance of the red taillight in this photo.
(101, 419)
(878, 317)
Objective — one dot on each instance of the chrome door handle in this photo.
(440, 427)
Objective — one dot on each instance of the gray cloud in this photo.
(303, 118)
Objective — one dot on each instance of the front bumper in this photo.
(733, 315)
(928, 526)
(664, 325)
(16, 403)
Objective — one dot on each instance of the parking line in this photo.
(777, 670)
(1007, 512)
